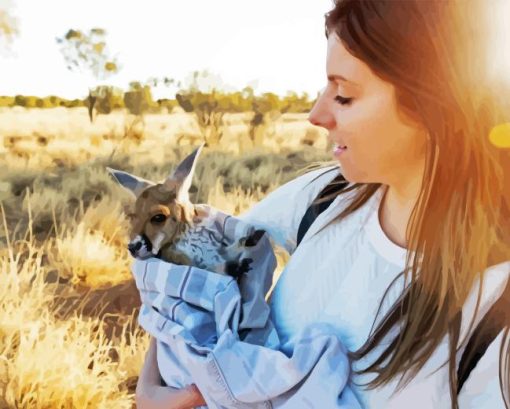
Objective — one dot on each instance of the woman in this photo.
(410, 97)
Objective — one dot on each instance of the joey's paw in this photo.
(237, 268)
(245, 265)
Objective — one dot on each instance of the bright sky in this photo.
(273, 45)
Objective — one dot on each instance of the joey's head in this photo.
(162, 211)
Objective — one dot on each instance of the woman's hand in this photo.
(151, 395)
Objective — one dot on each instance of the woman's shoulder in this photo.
(281, 211)
(491, 285)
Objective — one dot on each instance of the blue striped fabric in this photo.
(216, 333)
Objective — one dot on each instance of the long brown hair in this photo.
(435, 54)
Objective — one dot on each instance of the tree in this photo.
(8, 24)
(206, 103)
(108, 98)
(266, 108)
(86, 52)
(138, 99)
(20, 100)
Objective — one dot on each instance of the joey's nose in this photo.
(134, 247)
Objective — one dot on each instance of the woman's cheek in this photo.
(354, 125)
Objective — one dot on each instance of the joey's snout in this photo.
(134, 247)
(140, 247)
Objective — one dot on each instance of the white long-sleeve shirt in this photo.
(339, 276)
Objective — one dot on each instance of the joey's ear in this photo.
(133, 184)
(182, 176)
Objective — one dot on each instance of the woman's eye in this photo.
(342, 100)
(159, 218)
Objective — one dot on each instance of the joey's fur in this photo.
(167, 225)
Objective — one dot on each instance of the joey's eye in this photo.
(343, 101)
(159, 218)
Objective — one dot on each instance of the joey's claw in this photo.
(236, 269)
(245, 264)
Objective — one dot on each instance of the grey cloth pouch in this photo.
(217, 334)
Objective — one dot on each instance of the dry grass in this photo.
(68, 333)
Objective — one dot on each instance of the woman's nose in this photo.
(314, 120)
(320, 115)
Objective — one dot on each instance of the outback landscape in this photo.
(69, 336)
(93, 85)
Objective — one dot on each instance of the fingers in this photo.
(149, 375)
(168, 398)
(196, 396)
(150, 394)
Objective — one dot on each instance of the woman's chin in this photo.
(351, 177)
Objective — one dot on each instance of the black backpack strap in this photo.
(315, 209)
(484, 334)
(484, 340)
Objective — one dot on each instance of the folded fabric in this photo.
(216, 333)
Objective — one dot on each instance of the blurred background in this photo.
(135, 86)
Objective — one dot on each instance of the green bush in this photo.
(138, 99)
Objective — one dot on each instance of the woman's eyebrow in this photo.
(334, 77)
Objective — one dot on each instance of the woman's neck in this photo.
(399, 198)
(395, 211)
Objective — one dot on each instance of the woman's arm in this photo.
(280, 211)
(151, 395)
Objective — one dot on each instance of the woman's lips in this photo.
(338, 150)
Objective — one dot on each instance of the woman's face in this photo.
(361, 112)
